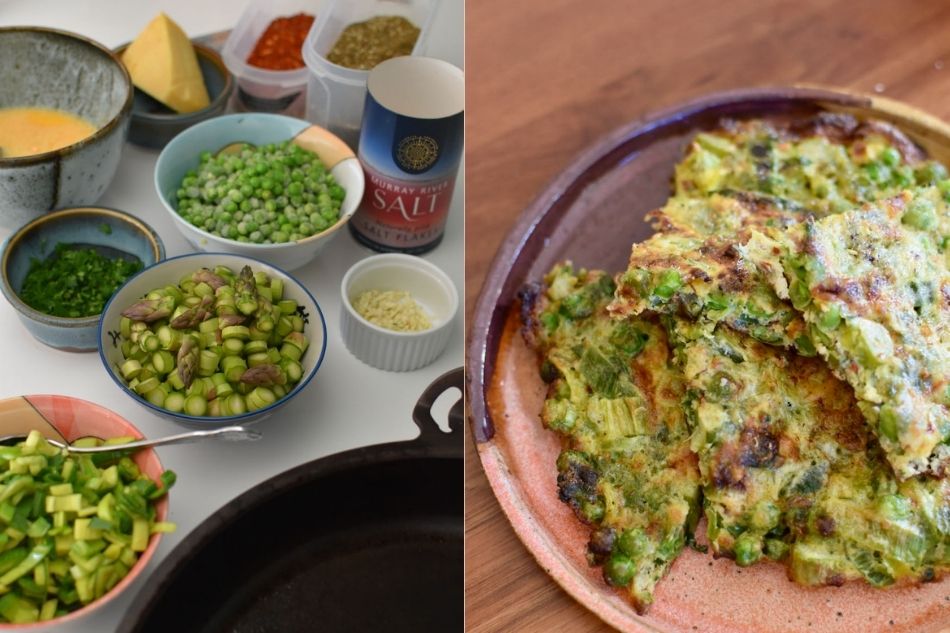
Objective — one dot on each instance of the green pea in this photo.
(830, 318)
(619, 570)
(878, 172)
(921, 214)
(891, 157)
(888, 421)
(593, 511)
(319, 222)
(747, 550)
(633, 542)
(670, 282)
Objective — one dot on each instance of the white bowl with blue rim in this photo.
(171, 271)
(108, 231)
(183, 154)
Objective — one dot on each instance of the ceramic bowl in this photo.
(182, 154)
(112, 232)
(55, 69)
(155, 124)
(68, 419)
(171, 271)
(388, 349)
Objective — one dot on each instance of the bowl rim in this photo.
(115, 121)
(150, 234)
(144, 558)
(174, 117)
(412, 261)
(205, 420)
(251, 246)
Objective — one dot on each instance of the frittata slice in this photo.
(874, 287)
(864, 524)
(791, 472)
(827, 163)
(682, 270)
(758, 175)
(614, 398)
(768, 426)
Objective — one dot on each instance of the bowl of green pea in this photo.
(212, 339)
(59, 270)
(267, 195)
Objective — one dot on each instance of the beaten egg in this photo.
(27, 131)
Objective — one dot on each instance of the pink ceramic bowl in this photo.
(67, 419)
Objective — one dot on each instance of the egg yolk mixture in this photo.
(27, 131)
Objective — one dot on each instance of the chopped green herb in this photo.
(74, 282)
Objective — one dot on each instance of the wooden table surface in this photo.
(547, 78)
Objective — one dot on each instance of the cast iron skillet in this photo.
(366, 540)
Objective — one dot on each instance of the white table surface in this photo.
(347, 405)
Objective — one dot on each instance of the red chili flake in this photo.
(280, 46)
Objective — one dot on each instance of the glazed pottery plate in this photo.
(591, 214)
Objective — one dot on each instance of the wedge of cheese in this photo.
(162, 63)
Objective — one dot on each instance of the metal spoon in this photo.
(227, 433)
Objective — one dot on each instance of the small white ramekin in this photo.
(387, 349)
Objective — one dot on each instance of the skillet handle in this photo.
(422, 413)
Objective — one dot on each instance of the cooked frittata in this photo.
(613, 397)
(778, 353)
(825, 164)
(865, 524)
(874, 287)
(685, 270)
(791, 472)
(749, 176)
(768, 426)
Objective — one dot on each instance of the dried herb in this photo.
(363, 45)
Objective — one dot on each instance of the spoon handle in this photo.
(227, 432)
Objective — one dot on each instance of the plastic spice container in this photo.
(335, 94)
(258, 89)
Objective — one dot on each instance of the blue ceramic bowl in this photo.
(111, 232)
(257, 128)
(155, 124)
(47, 68)
(169, 272)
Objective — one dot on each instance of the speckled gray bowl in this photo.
(101, 228)
(55, 69)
